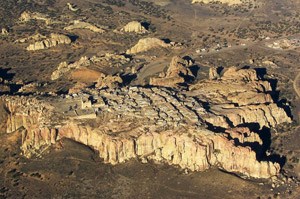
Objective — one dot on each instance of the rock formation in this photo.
(54, 40)
(4, 32)
(35, 37)
(229, 2)
(147, 44)
(107, 59)
(239, 96)
(27, 16)
(72, 7)
(158, 124)
(135, 27)
(109, 81)
(84, 25)
(177, 73)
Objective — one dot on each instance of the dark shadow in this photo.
(261, 72)
(194, 69)
(73, 37)
(128, 78)
(265, 136)
(282, 104)
(166, 40)
(5, 75)
(220, 69)
(146, 25)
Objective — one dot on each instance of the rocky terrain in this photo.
(149, 99)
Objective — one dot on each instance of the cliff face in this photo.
(196, 150)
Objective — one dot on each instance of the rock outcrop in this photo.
(27, 16)
(4, 32)
(107, 59)
(135, 27)
(109, 81)
(176, 74)
(54, 40)
(237, 97)
(229, 2)
(72, 7)
(147, 44)
(84, 25)
(64, 67)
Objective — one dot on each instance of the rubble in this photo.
(54, 40)
(147, 44)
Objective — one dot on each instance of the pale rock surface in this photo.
(134, 26)
(147, 44)
(54, 40)
(84, 25)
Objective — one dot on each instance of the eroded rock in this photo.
(27, 16)
(147, 44)
(109, 81)
(54, 40)
(135, 27)
(84, 25)
(177, 73)
(160, 124)
(229, 2)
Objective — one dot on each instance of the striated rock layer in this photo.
(156, 124)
